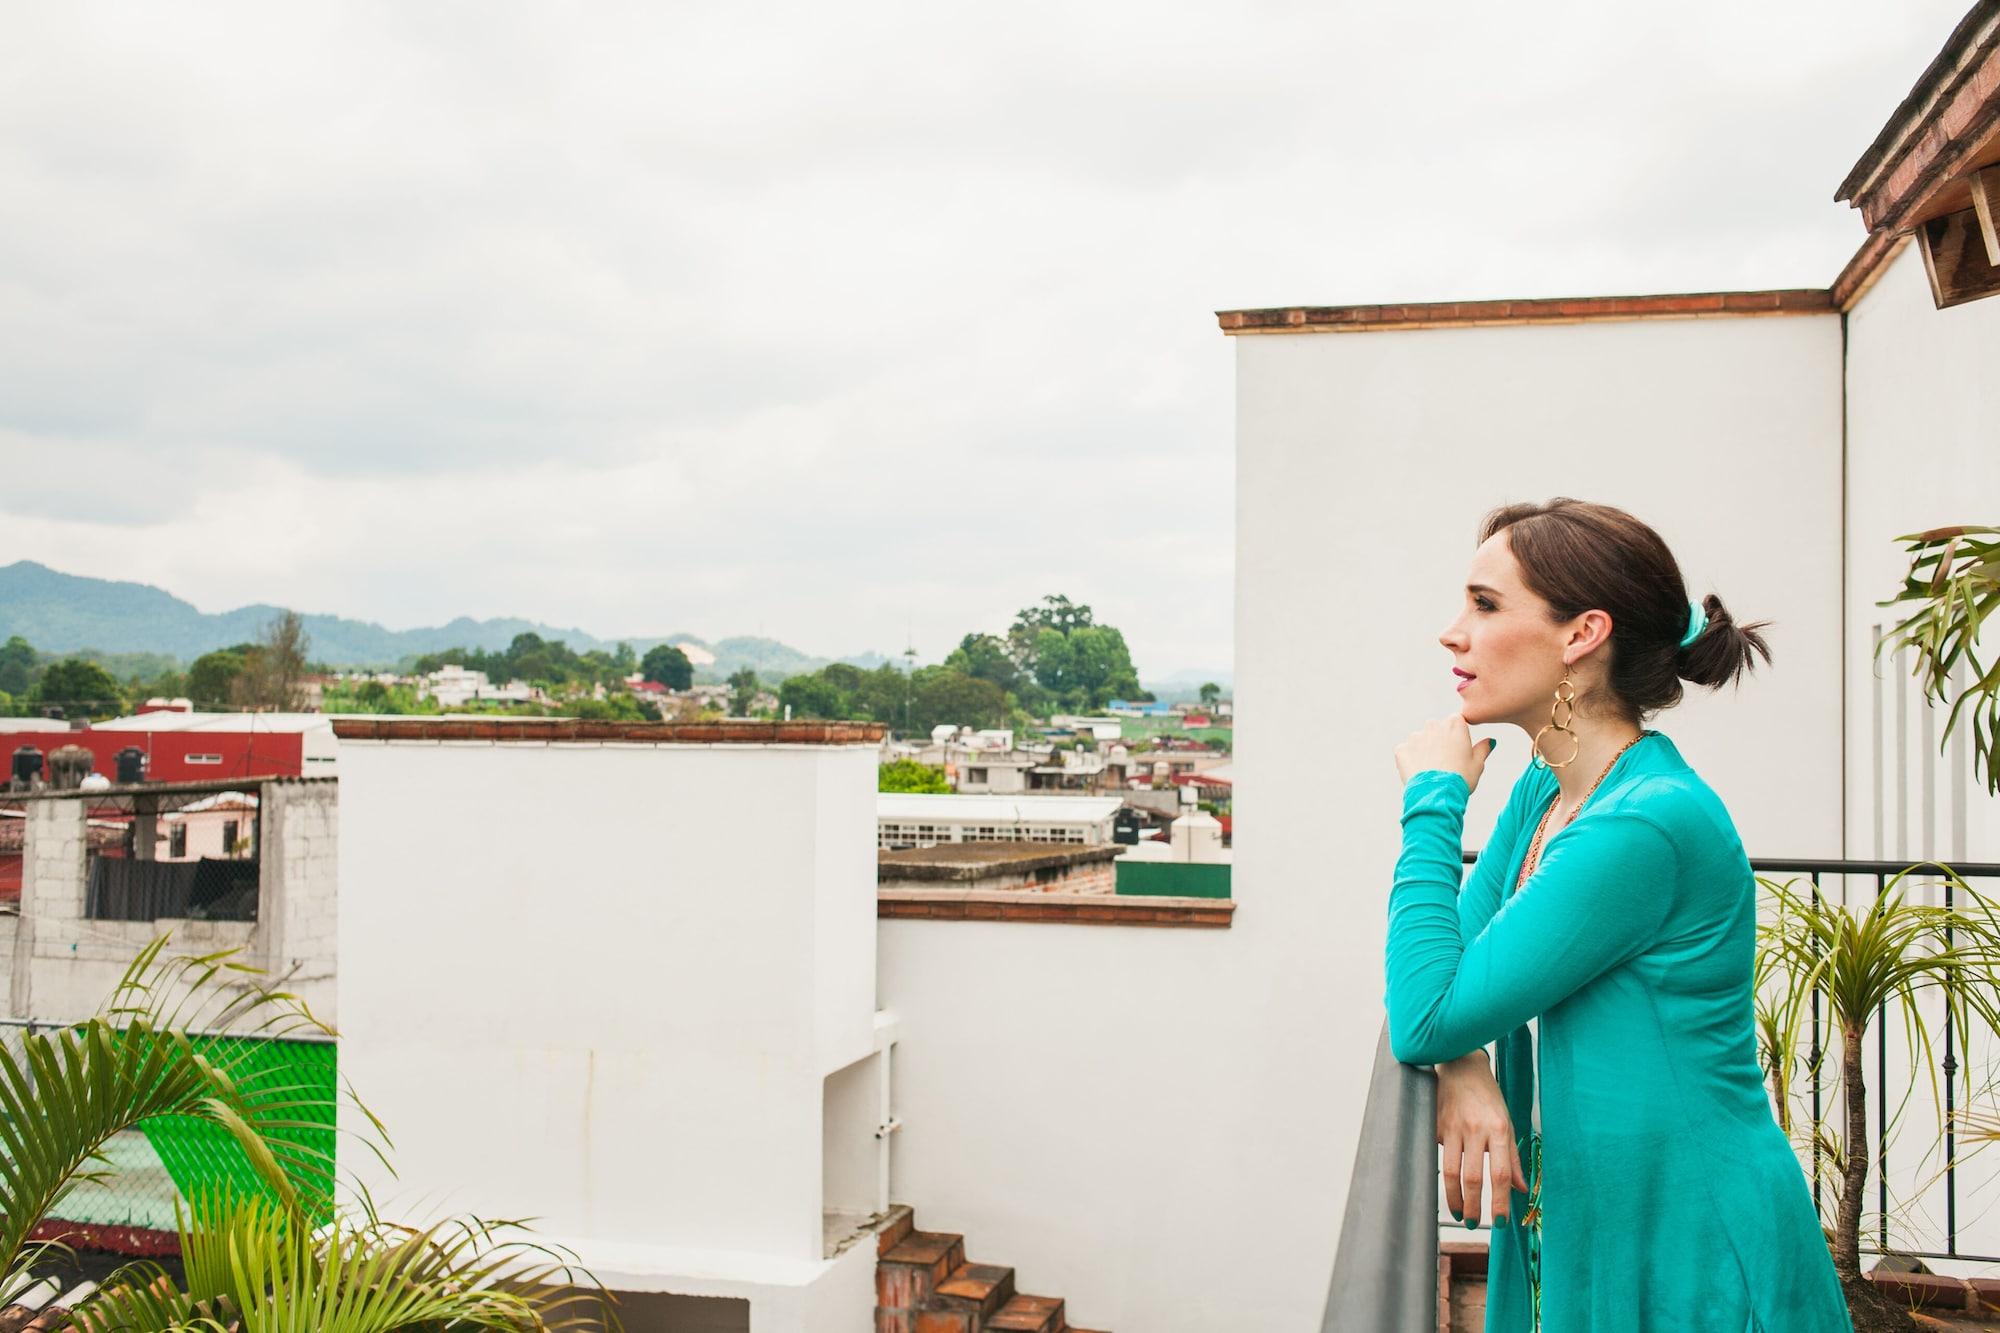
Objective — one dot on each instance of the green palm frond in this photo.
(251, 1265)
(1954, 576)
(68, 1091)
(270, 1252)
(1860, 962)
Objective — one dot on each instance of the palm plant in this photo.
(277, 1254)
(1955, 575)
(1860, 963)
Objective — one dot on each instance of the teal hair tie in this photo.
(1697, 622)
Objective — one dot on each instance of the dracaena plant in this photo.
(279, 1253)
(1894, 956)
(1954, 578)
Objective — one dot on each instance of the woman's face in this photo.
(1504, 639)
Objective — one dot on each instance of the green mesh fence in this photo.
(172, 1158)
(200, 1154)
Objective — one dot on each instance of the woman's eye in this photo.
(1482, 604)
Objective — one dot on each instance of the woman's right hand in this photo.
(1477, 1138)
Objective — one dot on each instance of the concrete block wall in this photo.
(62, 966)
(299, 898)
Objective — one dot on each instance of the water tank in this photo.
(131, 765)
(69, 765)
(27, 769)
(1125, 826)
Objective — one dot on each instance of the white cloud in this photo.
(838, 324)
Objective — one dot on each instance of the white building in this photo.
(454, 686)
(1780, 441)
(908, 819)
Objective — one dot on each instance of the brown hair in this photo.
(1578, 556)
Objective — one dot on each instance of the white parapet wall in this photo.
(603, 986)
(1923, 449)
(1165, 1120)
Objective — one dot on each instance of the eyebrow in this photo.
(1480, 587)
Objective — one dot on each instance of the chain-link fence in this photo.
(168, 1159)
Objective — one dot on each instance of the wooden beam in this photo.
(1986, 204)
(1955, 259)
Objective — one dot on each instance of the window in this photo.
(975, 775)
(229, 837)
(204, 759)
(177, 841)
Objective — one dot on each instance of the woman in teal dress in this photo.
(1614, 908)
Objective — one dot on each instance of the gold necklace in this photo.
(1533, 858)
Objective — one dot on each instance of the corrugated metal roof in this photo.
(236, 722)
(993, 809)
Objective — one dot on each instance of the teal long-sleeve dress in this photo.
(1670, 1199)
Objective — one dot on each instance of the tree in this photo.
(613, 708)
(985, 657)
(211, 681)
(17, 665)
(943, 694)
(1056, 612)
(1210, 692)
(911, 775)
(80, 688)
(273, 672)
(811, 694)
(667, 665)
(742, 691)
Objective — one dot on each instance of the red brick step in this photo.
(1029, 1314)
(979, 1288)
(925, 1284)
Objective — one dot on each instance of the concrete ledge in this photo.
(1087, 909)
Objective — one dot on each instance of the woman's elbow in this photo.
(1417, 1044)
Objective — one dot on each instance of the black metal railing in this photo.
(1881, 872)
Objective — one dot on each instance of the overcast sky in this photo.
(849, 324)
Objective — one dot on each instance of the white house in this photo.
(909, 819)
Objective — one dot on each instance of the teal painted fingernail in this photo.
(1457, 1216)
(1471, 1224)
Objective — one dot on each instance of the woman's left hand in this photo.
(1445, 743)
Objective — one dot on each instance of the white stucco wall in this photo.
(1159, 1125)
(602, 985)
(1923, 446)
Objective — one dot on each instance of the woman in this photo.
(1614, 906)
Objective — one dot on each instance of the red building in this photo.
(193, 747)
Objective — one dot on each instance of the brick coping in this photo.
(1084, 909)
(546, 729)
(1554, 310)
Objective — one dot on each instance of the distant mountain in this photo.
(64, 613)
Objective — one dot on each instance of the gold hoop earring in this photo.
(1559, 719)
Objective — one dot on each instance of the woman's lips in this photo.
(1464, 678)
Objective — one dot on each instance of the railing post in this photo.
(1816, 1055)
(1950, 1131)
(1882, 1098)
